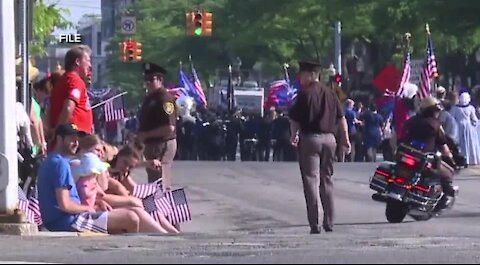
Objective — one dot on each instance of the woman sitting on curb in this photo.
(118, 191)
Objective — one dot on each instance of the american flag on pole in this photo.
(429, 71)
(178, 92)
(407, 69)
(114, 109)
(198, 87)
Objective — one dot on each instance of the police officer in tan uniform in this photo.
(157, 124)
(314, 118)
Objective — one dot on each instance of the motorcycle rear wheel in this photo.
(395, 211)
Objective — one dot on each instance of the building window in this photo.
(99, 43)
(99, 73)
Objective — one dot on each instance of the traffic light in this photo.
(131, 48)
(197, 23)
(207, 24)
(138, 52)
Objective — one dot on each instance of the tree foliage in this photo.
(46, 18)
(276, 31)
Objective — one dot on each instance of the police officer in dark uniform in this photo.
(157, 124)
(281, 135)
(314, 118)
(234, 129)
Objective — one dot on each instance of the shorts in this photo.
(93, 222)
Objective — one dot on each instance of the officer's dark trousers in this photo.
(316, 156)
(280, 152)
(232, 145)
(264, 150)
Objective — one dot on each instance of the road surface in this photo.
(255, 213)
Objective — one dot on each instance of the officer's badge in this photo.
(168, 107)
(147, 66)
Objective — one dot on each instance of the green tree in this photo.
(46, 17)
(161, 30)
(276, 31)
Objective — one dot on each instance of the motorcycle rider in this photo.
(426, 127)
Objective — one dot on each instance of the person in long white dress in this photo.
(468, 138)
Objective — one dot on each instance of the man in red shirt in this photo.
(69, 98)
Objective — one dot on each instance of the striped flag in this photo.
(34, 206)
(429, 70)
(30, 208)
(114, 109)
(281, 93)
(178, 92)
(407, 69)
(197, 85)
(142, 191)
(179, 210)
(172, 204)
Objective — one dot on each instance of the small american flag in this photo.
(114, 109)
(29, 207)
(34, 206)
(407, 69)
(142, 191)
(179, 210)
(429, 70)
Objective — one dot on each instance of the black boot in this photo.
(314, 230)
(444, 203)
(449, 189)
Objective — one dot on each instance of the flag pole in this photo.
(230, 93)
(429, 36)
(110, 99)
(285, 71)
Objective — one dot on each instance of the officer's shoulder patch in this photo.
(168, 107)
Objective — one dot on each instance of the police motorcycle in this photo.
(408, 186)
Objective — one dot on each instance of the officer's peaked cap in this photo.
(151, 68)
(310, 66)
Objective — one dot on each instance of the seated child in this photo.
(86, 169)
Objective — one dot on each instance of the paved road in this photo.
(255, 213)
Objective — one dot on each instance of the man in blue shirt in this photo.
(59, 200)
(352, 121)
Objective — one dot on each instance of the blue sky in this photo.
(77, 9)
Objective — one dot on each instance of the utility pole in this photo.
(8, 135)
(338, 47)
(25, 78)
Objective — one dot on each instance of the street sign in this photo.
(129, 25)
(415, 73)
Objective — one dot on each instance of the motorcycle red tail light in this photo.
(422, 188)
(400, 180)
(382, 173)
(409, 160)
